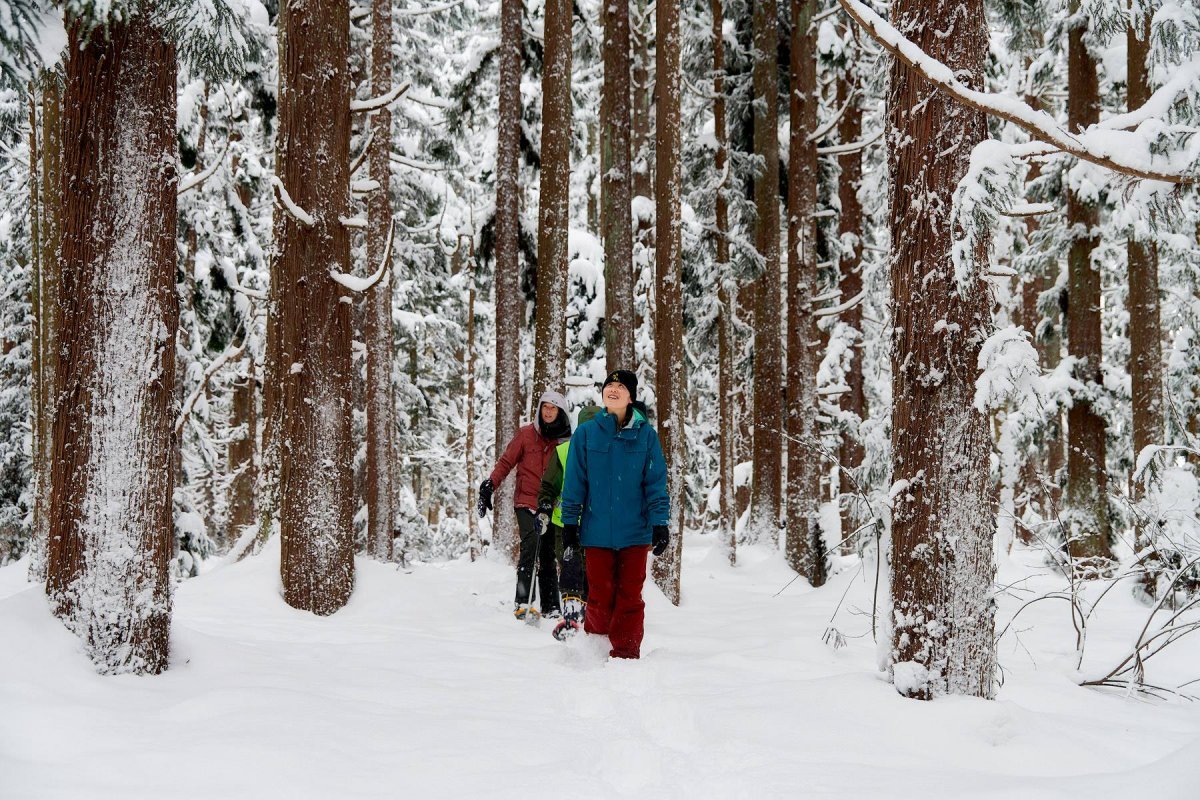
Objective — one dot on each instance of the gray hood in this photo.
(556, 399)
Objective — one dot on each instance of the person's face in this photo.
(616, 397)
(549, 412)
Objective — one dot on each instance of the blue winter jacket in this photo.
(615, 486)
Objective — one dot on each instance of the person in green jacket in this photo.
(571, 577)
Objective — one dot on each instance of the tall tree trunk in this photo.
(464, 253)
(39, 430)
(804, 549)
(943, 518)
(768, 388)
(669, 355)
(554, 213)
(316, 486)
(110, 497)
(1145, 334)
(242, 446)
(725, 294)
(381, 421)
(509, 304)
(642, 102)
(616, 186)
(46, 185)
(1087, 481)
(850, 229)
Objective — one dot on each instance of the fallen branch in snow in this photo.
(196, 178)
(356, 284)
(220, 361)
(382, 101)
(1104, 150)
(298, 213)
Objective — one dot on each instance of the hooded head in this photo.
(561, 427)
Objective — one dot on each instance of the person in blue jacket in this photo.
(615, 484)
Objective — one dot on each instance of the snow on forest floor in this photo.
(425, 686)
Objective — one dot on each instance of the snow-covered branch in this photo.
(383, 101)
(850, 147)
(300, 215)
(357, 284)
(196, 178)
(398, 12)
(221, 360)
(1124, 152)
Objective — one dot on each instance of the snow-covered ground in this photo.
(425, 686)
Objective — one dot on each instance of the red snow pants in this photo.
(615, 606)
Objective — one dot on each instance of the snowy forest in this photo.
(910, 288)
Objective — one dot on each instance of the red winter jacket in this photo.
(529, 452)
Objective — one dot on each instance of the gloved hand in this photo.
(542, 521)
(662, 535)
(484, 504)
(570, 536)
(568, 555)
(546, 508)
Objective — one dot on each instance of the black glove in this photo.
(570, 537)
(546, 508)
(484, 504)
(662, 535)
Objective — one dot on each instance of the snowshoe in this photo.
(526, 613)
(566, 629)
(573, 608)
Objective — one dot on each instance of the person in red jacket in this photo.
(529, 451)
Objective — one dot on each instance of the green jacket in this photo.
(550, 493)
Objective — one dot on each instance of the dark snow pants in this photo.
(615, 606)
(571, 580)
(544, 555)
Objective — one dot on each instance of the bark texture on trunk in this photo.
(725, 293)
(46, 230)
(241, 453)
(616, 189)
(804, 549)
(111, 483)
(943, 518)
(1086, 512)
(1145, 332)
(316, 486)
(850, 228)
(668, 342)
(554, 213)
(765, 493)
(509, 304)
(381, 422)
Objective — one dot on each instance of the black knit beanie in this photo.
(626, 379)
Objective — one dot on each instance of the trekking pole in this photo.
(530, 616)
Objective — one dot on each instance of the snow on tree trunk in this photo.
(943, 522)
(763, 524)
(725, 293)
(1086, 512)
(616, 187)
(510, 306)
(554, 213)
(46, 209)
(850, 230)
(316, 489)
(110, 497)
(669, 355)
(803, 549)
(381, 422)
(1145, 334)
